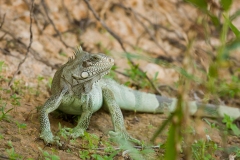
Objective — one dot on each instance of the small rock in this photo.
(15, 139)
(165, 75)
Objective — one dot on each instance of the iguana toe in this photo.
(48, 138)
(123, 136)
(77, 132)
(73, 133)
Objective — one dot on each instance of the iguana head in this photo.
(92, 65)
(87, 69)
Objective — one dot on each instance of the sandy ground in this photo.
(176, 24)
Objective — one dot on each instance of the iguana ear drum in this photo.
(84, 74)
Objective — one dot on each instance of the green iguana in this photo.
(78, 89)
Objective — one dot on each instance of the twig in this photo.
(119, 72)
(1, 24)
(3, 157)
(150, 33)
(34, 52)
(66, 11)
(4, 51)
(28, 48)
(139, 37)
(2, 36)
(155, 26)
(144, 26)
(120, 42)
(115, 148)
(30, 112)
(55, 28)
(105, 26)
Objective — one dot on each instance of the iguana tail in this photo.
(129, 99)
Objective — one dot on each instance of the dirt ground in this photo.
(175, 22)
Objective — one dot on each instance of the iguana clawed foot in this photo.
(79, 132)
(73, 132)
(48, 138)
(123, 135)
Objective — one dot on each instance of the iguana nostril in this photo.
(111, 60)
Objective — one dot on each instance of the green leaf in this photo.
(171, 152)
(235, 15)
(45, 153)
(226, 4)
(232, 26)
(214, 19)
(1, 65)
(213, 70)
(97, 157)
(235, 44)
(235, 130)
(228, 120)
(55, 157)
(202, 4)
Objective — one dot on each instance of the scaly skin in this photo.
(78, 89)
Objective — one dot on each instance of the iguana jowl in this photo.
(78, 89)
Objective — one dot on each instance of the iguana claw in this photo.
(48, 138)
(73, 132)
(123, 136)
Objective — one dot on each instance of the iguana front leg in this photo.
(51, 104)
(83, 122)
(117, 117)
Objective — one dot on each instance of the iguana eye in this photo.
(84, 64)
(94, 58)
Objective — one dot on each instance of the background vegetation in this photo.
(185, 49)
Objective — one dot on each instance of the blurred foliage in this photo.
(215, 84)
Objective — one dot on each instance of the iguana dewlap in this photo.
(78, 89)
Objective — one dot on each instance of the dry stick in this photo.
(4, 157)
(3, 20)
(146, 19)
(55, 28)
(34, 52)
(66, 11)
(4, 51)
(150, 33)
(28, 48)
(115, 148)
(138, 15)
(105, 26)
(120, 42)
(144, 26)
